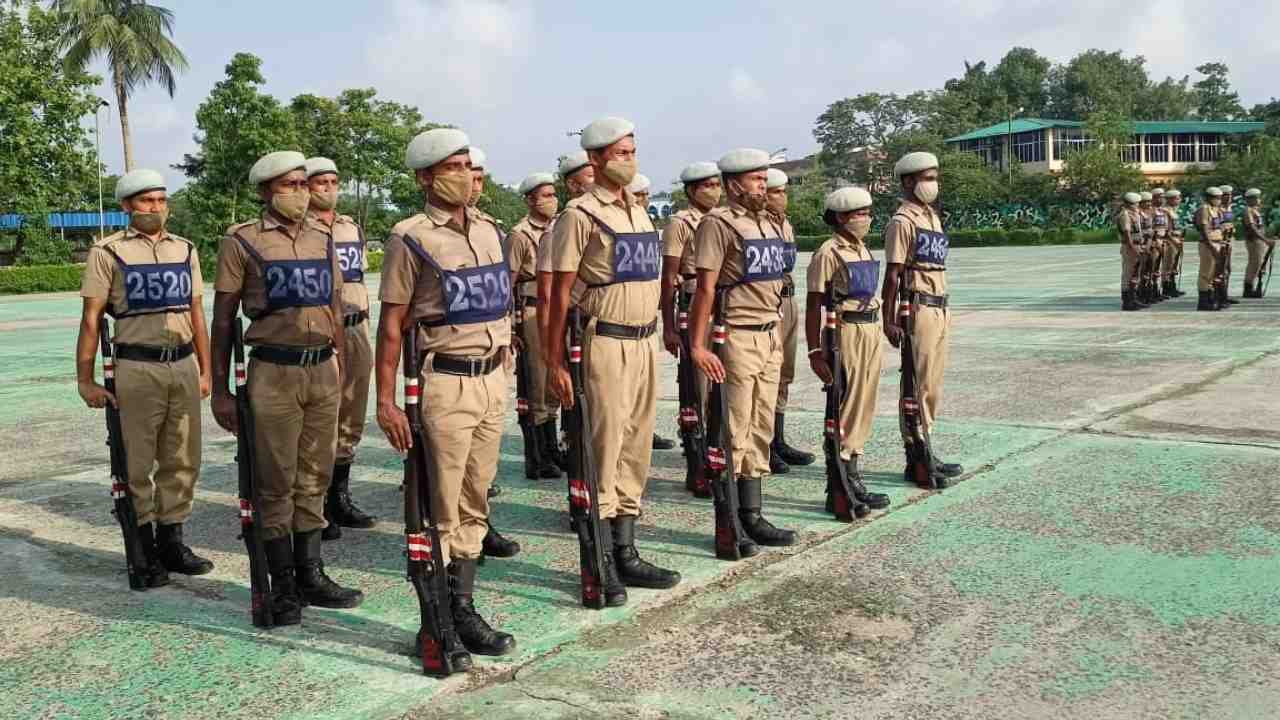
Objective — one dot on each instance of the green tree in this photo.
(968, 182)
(46, 161)
(1096, 81)
(1021, 80)
(1214, 98)
(134, 37)
(855, 133)
(1097, 173)
(1167, 100)
(1268, 113)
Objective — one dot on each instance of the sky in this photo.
(697, 78)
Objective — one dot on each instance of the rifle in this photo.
(1267, 260)
(441, 650)
(135, 555)
(844, 503)
(249, 491)
(730, 536)
(584, 493)
(692, 432)
(532, 450)
(919, 452)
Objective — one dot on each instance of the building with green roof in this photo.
(1162, 149)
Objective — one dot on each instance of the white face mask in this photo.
(927, 191)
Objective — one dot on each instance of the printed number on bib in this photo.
(764, 259)
(299, 285)
(350, 260)
(477, 294)
(932, 247)
(158, 286)
(635, 257)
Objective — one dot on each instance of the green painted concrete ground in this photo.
(1113, 552)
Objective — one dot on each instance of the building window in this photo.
(1132, 152)
(1067, 141)
(1157, 146)
(1184, 147)
(1208, 147)
(1028, 147)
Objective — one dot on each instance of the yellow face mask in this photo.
(452, 188)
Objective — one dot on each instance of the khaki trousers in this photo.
(357, 365)
(543, 404)
(1172, 256)
(1209, 269)
(752, 365)
(930, 332)
(621, 383)
(295, 415)
(862, 357)
(790, 336)
(160, 419)
(462, 422)
(1257, 250)
(1128, 266)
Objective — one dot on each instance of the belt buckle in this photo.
(168, 354)
(310, 357)
(473, 367)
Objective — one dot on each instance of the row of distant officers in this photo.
(1151, 247)
(720, 276)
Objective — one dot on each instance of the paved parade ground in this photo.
(1112, 552)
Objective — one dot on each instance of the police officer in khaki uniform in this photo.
(845, 267)
(639, 189)
(702, 188)
(478, 173)
(609, 243)
(357, 364)
(149, 280)
(1208, 222)
(915, 249)
(1256, 242)
(539, 193)
(781, 454)
(1151, 247)
(1172, 261)
(738, 252)
(286, 272)
(1227, 221)
(445, 277)
(578, 175)
(1129, 226)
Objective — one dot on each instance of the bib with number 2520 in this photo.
(932, 247)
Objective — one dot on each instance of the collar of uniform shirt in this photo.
(131, 233)
(443, 217)
(738, 209)
(622, 199)
(536, 224)
(271, 222)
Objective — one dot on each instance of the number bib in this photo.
(762, 260)
(155, 287)
(350, 260)
(1228, 216)
(789, 253)
(471, 295)
(635, 257)
(864, 277)
(298, 283)
(932, 247)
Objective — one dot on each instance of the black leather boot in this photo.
(1205, 301)
(947, 469)
(1137, 297)
(661, 443)
(495, 545)
(875, 501)
(175, 555)
(750, 502)
(494, 491)
(777, 465)
(315, 587)
(154, 574)
(338, 503)
(461, 659)
(548, 449)
(475, 633)
(1224, 299)
(615, 591)
(632, 569)
(1127, 302)
(286, 606)
(551, 444)
(788, 454)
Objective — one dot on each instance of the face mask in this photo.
(707, 197)
(858, 227)
(927, 191)
(148, 223)
(292, 205)
(452, 188)
(324, 199)
(1216, 202)
(621, 172)
(754, 203)
(777, 203)
(547, 206)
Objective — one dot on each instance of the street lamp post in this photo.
(97, 164)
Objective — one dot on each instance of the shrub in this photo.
(1023, 237)
(374, 262)
(992, 237)
(40, 278)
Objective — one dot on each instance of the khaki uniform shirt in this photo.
(1173, 226)
(239, 272)
(525, 239)
(677, 239)
(407, 279)
(1205, 218)
(543, 259)
(828, 269)
(1253, 227)
(579, 245)
(718, 247)
(104, 279)
(355, 296)
(900, 248)
(1129, 229)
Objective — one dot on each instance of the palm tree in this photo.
(134, 36)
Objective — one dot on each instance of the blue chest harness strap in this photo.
(293, 283)
(471, 295)
(635, 254)
(152, 288)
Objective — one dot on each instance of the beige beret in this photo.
(777, 179)
(699, 171)
(535, 181)
(743, 160)
(274, 164)
(138, 181)
(320, 166)
(606, 131)
(847, 199)
(572, 163)
(914, 162)
(432, 146)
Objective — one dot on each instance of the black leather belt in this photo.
(300, 357)
(938, 301)
(756, 328)
(465, 366)
(355, 318)
(151, 353)
(625, 332)
(861, 317)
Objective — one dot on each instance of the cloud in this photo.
(744, 88)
